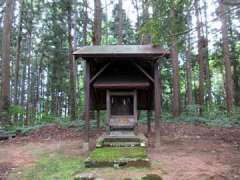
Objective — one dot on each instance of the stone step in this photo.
(121, 144)
(122, 133)
(4, 135)
(137, 163)
(124, 140)
(121, 139)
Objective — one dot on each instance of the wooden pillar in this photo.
(87, 100)
(108, 104)
(149, 116)
(98, 118)
(157, 102)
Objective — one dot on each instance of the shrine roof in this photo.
(121, 51)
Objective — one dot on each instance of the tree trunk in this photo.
(146, 38)
(200, 58)
(189, 66)
(72, 90)
(208, 73)
(189, 77)
(120, 23)
(106, 20)
(6, 40)
(227, 60)
(97, 26)
(29, 77)
(175, 67)
(136, 6)
(235, 64)
(19, 40)
(85, 22)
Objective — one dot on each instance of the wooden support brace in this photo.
(143, 71)
(99, 72)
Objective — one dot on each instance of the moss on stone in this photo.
(152, 177)
(117, 153)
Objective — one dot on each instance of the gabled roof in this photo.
(121, 51)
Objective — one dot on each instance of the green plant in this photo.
(117, 153)
(16, 110)
(56, 166)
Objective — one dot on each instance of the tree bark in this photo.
(146, 38)
(85, 22)
(72, 87)
(175, 69)
(208, 72)
(97, 26)
(227, 61)
(6, 40)
(19, 40)
(136, 6)
(29, 76)
(200, 58)
(189, 66)
(189, 77)
(120, 23)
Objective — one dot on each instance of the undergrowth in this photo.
(212, 116)
(54, 166)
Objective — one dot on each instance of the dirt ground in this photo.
(187, 152)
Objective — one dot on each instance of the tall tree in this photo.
(169, 15)
(136, 5)
(6, 40)
(200, 56)
(188, 64)
(206, 54)
(85, 21)
(121, 31)
(226, 58)
(19, 40)
(72, 87)
(146, 38)
(97, 26)
(175, 67)
(120, 23)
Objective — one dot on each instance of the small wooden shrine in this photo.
(121, 79)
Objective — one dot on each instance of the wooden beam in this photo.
(108, 109)
(99, 72)
(157, 103)
(87, 100)
(143, 71)
(98, 119)
(149, 115)
(135, 105)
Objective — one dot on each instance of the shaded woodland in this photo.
(42, 83)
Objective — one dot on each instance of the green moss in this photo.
(152, 177)
(117, 153)
(53, 167)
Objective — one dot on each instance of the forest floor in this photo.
(187, 152)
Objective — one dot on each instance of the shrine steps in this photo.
(119, 149)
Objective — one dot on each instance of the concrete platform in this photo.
(121, 139)
(118, 157)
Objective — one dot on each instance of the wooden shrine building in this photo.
(122, 79)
